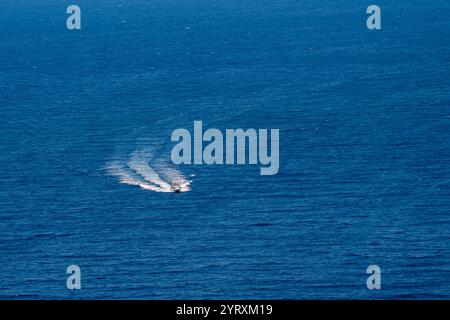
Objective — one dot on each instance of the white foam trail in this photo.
(126, 176)
(139, 164)
(137, 171)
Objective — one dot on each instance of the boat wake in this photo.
(139, 170)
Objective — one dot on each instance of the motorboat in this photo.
(176, 187)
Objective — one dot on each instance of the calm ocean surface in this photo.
(364, 119)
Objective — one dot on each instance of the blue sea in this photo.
(86, 118)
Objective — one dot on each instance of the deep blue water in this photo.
(364, 119)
